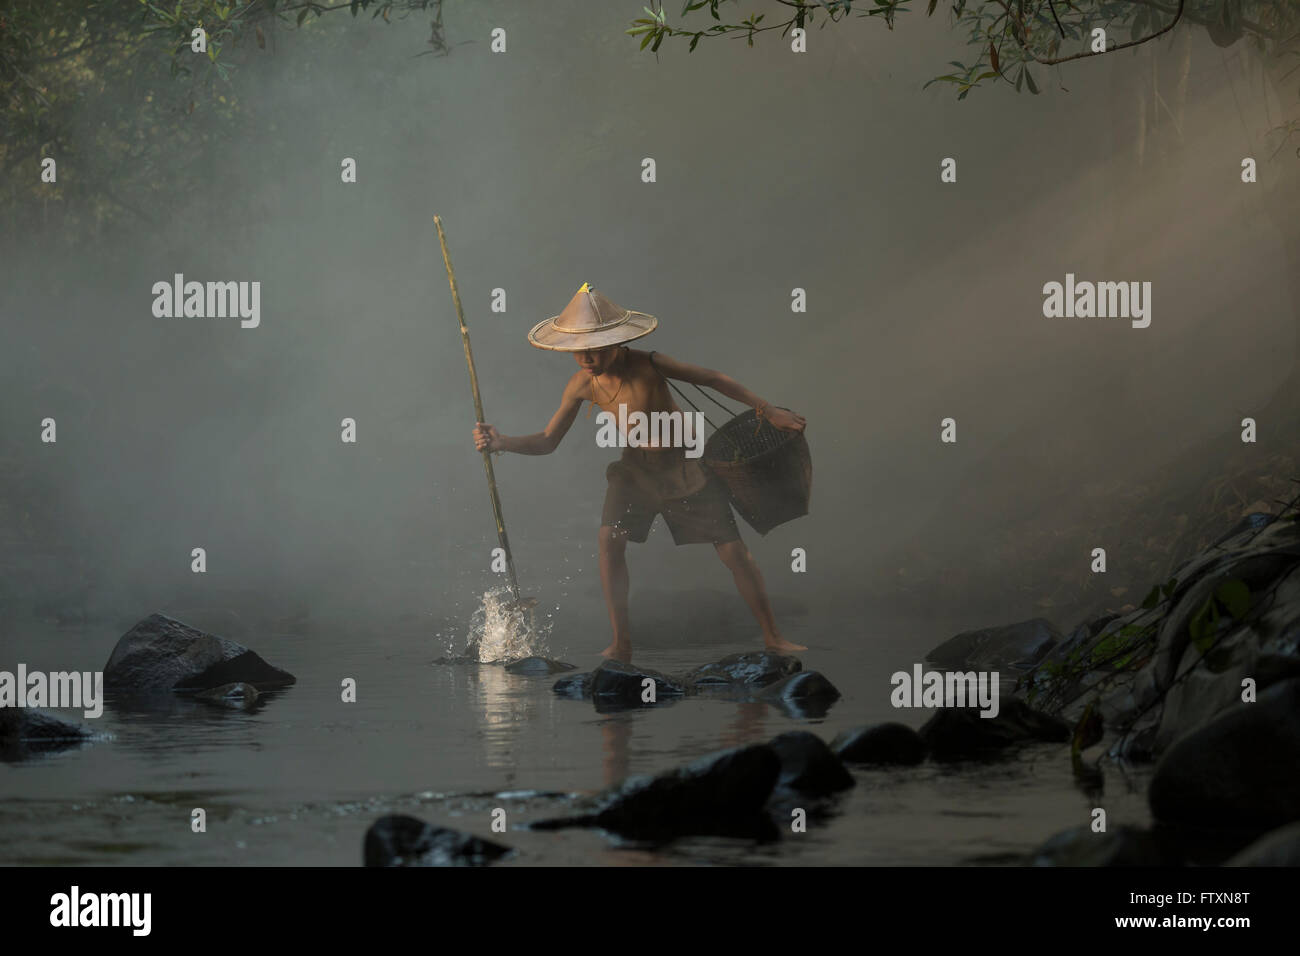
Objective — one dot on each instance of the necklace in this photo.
(594, 389)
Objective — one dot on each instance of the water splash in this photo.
(500, 632)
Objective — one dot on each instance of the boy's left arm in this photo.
(711, 378)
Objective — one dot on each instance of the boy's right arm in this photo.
(543, 442)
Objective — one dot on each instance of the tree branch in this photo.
(1178, 15)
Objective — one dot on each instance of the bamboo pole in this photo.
(478, 412)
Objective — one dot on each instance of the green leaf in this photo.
(645, 42)
(302, 14)
(1020, 79)
(1234, 595)
(1029, 81)
(694, 40)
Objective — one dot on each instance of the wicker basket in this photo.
(767, 470)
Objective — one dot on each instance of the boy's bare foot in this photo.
(782, 646)
(618, 652)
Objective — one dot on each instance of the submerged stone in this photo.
(1121, 846)
(538, 667)
(721, 794)
(805, 694)
(757, 668)
(1280, 847)
(574, 686)
(960, 732)
(615, 681)
(27, 731)
(238, 696)
(399, 840)
(889, 743)
(808, 765)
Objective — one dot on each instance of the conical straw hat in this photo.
(590, 321)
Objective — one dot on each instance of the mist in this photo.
(774, 172)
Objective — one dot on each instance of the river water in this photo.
(298, 781)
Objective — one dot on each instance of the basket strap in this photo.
(734, 447)
(699, 388)
(680, 392)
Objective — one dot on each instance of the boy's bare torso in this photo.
(632, 381)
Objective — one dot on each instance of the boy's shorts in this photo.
(647, 482)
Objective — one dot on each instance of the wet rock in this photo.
(538, 667)
(1119, 846)
(1007, 647)
(238, 696)
(214, 620)
(890, 743)
(1281, 847)
(722, 794)
(808, 765)
(1240, 771)
(805, 694)
(27, 731)
(757, 668)
(161, 654)
(574, 686)
(1256, 570)
(400, 840)
(961, 733)
(620, 683)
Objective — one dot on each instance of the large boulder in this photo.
(400, 840)
(959, 733)
(25, 731)
(1009, 647)
(753, 669)
(890, 743)
(161, 654)
(1241, 771)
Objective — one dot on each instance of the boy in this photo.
(651, 479)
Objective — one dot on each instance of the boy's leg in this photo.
(614, 582)
(749, 582)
